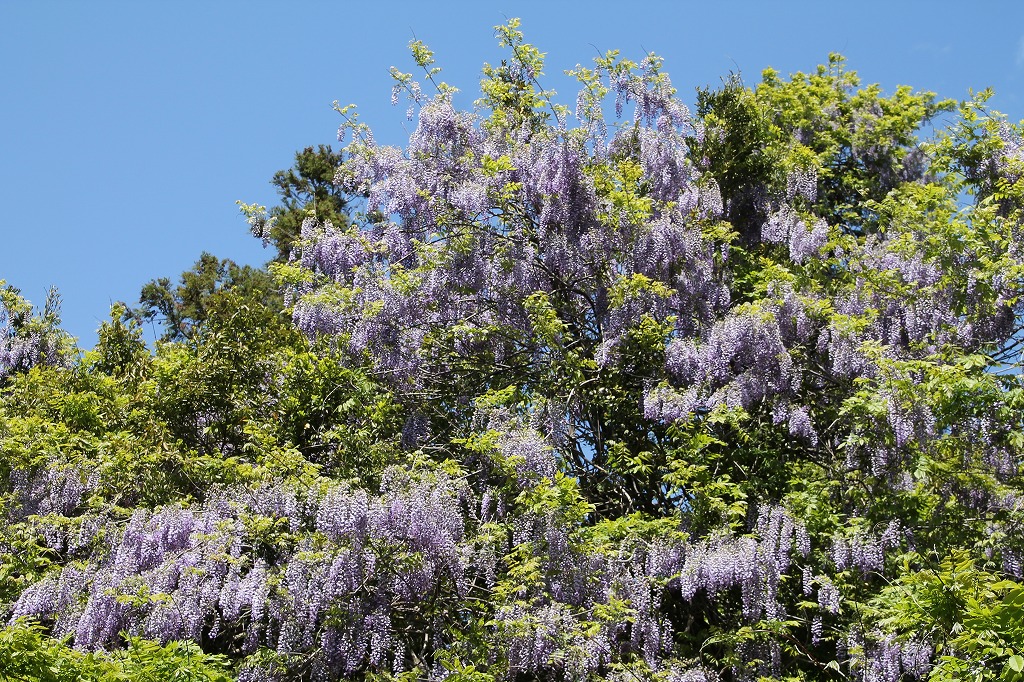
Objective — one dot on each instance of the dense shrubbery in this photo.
(724, 394)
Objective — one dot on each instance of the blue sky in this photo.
(131, 128)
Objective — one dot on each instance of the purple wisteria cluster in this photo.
(362, 564)
(476, 218)
(784, 226)
(366, 577)
(755, 564)
(25, 340)
(1009, 163)
(53, 489)
(880, 657)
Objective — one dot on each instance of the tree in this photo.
(213, 287)
(216, 286)
(306, 189)
(725, 395)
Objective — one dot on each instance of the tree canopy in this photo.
(624, 390)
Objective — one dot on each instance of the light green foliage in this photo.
(212, 288)
(977, 616)
(28, 655)
(512, 91)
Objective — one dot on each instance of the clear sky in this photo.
(129, 129)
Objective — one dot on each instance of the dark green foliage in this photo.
(212, 288)
(307, 189)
